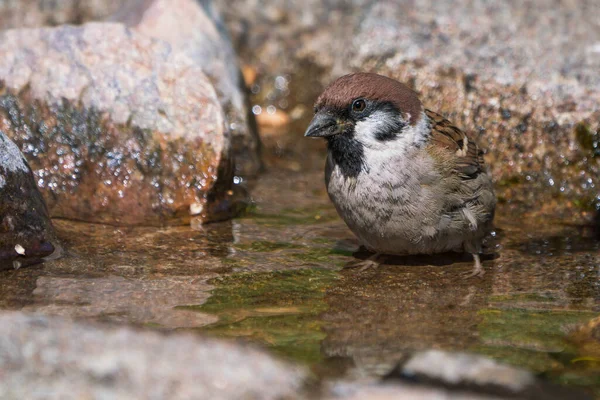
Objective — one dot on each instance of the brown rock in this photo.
(117, 127)
(26, 233)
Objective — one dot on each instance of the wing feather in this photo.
(445, 136)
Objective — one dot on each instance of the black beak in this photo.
(323, 125)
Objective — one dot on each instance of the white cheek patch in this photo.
(378, 152)
(376, 122)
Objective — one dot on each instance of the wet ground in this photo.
(276, 277)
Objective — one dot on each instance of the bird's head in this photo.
(369, 109)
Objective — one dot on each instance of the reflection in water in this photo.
(118, 299)
(379, 317)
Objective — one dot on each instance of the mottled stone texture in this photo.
(44, 357)
(193, 27)
(116, 126)
(196, 29)
(522, 74)
(26, 233)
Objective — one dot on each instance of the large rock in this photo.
(117, 127)
(190, 26)
(26, 233)
(195, 28)
(59, 359)
(499, 69)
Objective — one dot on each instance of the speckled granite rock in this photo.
(117, 127)
(195, 28)
(51, 358)
(523, 74)
(26, 233)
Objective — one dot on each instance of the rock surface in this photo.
(189, 26)
(117, 127)
(59, 359)
(26, 233)
(195, 28)
(502, 70)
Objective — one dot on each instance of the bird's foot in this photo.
(364, 265)
(477, 270)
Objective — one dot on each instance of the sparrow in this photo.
(403, 178)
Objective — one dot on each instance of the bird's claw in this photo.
(474, 273)
(363, 266)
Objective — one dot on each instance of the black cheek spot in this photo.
(347, 154)
(393, 126)
(390, 130)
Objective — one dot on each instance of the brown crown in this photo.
(341, 92)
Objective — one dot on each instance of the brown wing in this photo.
(444, 135)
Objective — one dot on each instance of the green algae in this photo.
(528, 297)
(278, 309)
(538, 340)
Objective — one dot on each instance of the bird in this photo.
(403, 178)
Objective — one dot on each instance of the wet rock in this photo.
(500, 70)
(117, 127)
(196, 29)
(26, 233)
(192, 27)
(73, 361)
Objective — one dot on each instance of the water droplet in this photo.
(281, 83)
(256, 109)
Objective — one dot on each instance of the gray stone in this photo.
(51, 358)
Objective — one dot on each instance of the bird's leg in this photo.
(364, 265)
(477, 268)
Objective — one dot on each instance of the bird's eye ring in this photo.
(359, 105)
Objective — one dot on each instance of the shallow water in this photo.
(276, 277)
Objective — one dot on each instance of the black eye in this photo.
(359, 105)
